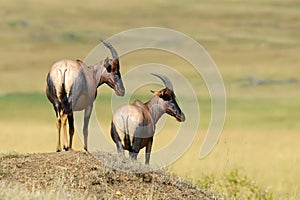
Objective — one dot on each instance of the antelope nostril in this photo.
(182, 117)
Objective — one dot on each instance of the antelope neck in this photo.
(155, 108)
(99, 69)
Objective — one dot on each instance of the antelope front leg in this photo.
(148, 151)
(87, 115)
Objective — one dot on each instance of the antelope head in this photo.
(111, 75)
(168, 99)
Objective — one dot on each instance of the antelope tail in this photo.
(63, 94)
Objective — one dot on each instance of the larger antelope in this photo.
(133, 126)
(72, 86)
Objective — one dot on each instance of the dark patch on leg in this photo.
(71, 129)
(126, 139)
(127, 143)
(50, 90)
(65, 101)
(136, 146)
(116, 138)
(51, 95)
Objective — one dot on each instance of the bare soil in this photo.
(82, 172)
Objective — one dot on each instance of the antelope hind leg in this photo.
(58, 126)
(64, 119)
(71, 129)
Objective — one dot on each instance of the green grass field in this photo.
(244, 38)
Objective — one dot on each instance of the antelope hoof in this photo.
(58, 150)
(133, 155)
(66, 148)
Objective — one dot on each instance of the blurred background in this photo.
(255, 44)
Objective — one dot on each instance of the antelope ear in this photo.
(79, 61)
(107, 65)
(160, 93)
(106, 62)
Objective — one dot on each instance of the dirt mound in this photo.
(81, 172)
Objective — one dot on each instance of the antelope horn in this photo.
(165, 80)
(111, 48)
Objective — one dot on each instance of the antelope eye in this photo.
(166, 97)
(108, 68)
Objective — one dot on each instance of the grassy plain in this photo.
(244, 38)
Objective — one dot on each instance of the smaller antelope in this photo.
(133, 126)
(72, 86)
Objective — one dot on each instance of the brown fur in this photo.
(138, 120)
(72, 86)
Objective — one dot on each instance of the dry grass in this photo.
(17, 191)
(66, 174)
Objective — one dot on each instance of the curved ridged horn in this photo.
(112, 49)
(164, 79)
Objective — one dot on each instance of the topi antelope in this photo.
(72, 86)
(133, 126)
